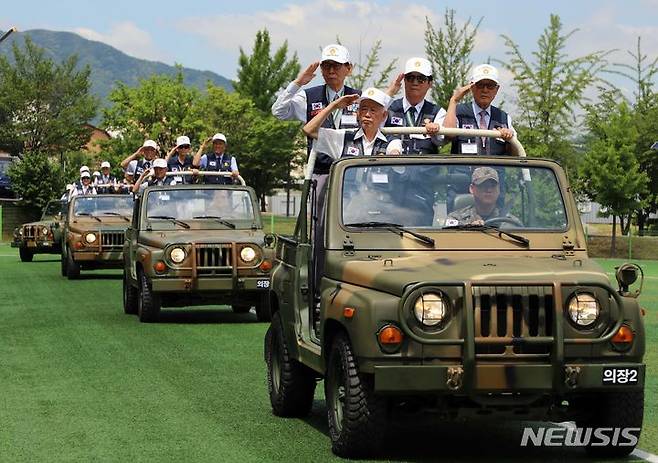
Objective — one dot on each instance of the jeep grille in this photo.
(213, 259)
(112, 239)
(30, 231)
(513, 311)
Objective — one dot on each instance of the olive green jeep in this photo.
(192, 245)
(457, 285)
(94, 233)
(42, 237)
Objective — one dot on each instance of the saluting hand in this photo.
(307, 74)
(344, 101)
(395, 86)
(461, 92)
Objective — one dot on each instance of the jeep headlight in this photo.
(177, 255)
(583, 309)
(20, 231)
(90, 238)
(247, 254)
(431, 309)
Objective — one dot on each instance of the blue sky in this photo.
(207, 34)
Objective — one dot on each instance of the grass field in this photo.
(81, 381)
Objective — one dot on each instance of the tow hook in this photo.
(571, 376)
(455, 376)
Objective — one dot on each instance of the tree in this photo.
(548, 91)
(363, 72)
(160, 108)
(266, 148)
(610, 171)
(449, 50)
(260, 75)
(37, 179)
(645, 107)
(43, 105)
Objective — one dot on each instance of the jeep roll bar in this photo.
(203, 173)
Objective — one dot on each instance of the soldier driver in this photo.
(485, 188)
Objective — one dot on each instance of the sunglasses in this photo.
(412, 78)
(327, 65)
(183, 146)
(487, 85)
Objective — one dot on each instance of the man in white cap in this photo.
(105, 178)
(295, 103)
(85, 187)
(157, 176)
(217, 161)
(413, 110)
(148, 151)
(182, 159)
(479, 114)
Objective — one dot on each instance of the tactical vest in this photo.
(102, 181)
(160, 182)
(413, 145)
(218, 164)
(465, 117)
(316, 101)
(352, 147)
(140, 168)
(174, 165)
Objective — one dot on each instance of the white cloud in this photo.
(308, 27)
(128, 38)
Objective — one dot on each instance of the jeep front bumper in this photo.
(210, 284)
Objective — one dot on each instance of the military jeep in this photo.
(434, 298)
(94, 233)
(42, 237)
(191, 245)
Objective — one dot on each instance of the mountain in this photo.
(107, 64)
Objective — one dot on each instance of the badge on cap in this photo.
(371, 92)
(417, 64)
(332, 51)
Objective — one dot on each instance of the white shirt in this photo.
(487, 117)
(332, 141)
(290, 105)
(438, 119)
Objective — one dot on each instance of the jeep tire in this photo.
(263, 308)
(72, 267)
(291, 385)
(62, 265)
(356, 415)
(130, 295)
(148, 303)
(25, 254)
(614, 410)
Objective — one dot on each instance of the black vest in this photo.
(174, 165)
(352, 147)
(465, 117)
(413, 145)
(218, 164)
(105, 189)
(316, 101)
(140, 168)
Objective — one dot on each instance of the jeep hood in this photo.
(160, 239)
(393, 275)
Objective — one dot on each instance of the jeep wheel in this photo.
(291, 385)
(130, 296)
(614, 410)
(25, 254)
(263, 308)
(356, 415)
(72, 267)
(148, 304)
(62, 266)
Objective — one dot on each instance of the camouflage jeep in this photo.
(196, 245)
(443, 293)
(42, 237)
(94, 233)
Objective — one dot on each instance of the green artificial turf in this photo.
(81, 381)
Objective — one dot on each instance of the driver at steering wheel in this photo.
(485, 188)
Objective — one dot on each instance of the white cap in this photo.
(376, 95)
(96, 174)
(484, 72)
(219, 136)
(84, 169)
(160, 163)
(335, 52)
(85, 174)
(420, 65)
(105, 164)
(182, 140)
(150, 144)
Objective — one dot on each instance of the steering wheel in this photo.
(496, 221)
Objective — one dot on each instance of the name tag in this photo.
(397, 121)
(178, 179)
(469, 148)
(418, 136)
(316, 106)
(163, 197)
(348, 120)
(379, 178)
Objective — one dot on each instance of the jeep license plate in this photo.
(616, 376)
(263, 284)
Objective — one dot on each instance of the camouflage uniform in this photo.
(469, 215)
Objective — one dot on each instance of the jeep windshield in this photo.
(438, 197)
(102, 206)
(220, 208)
